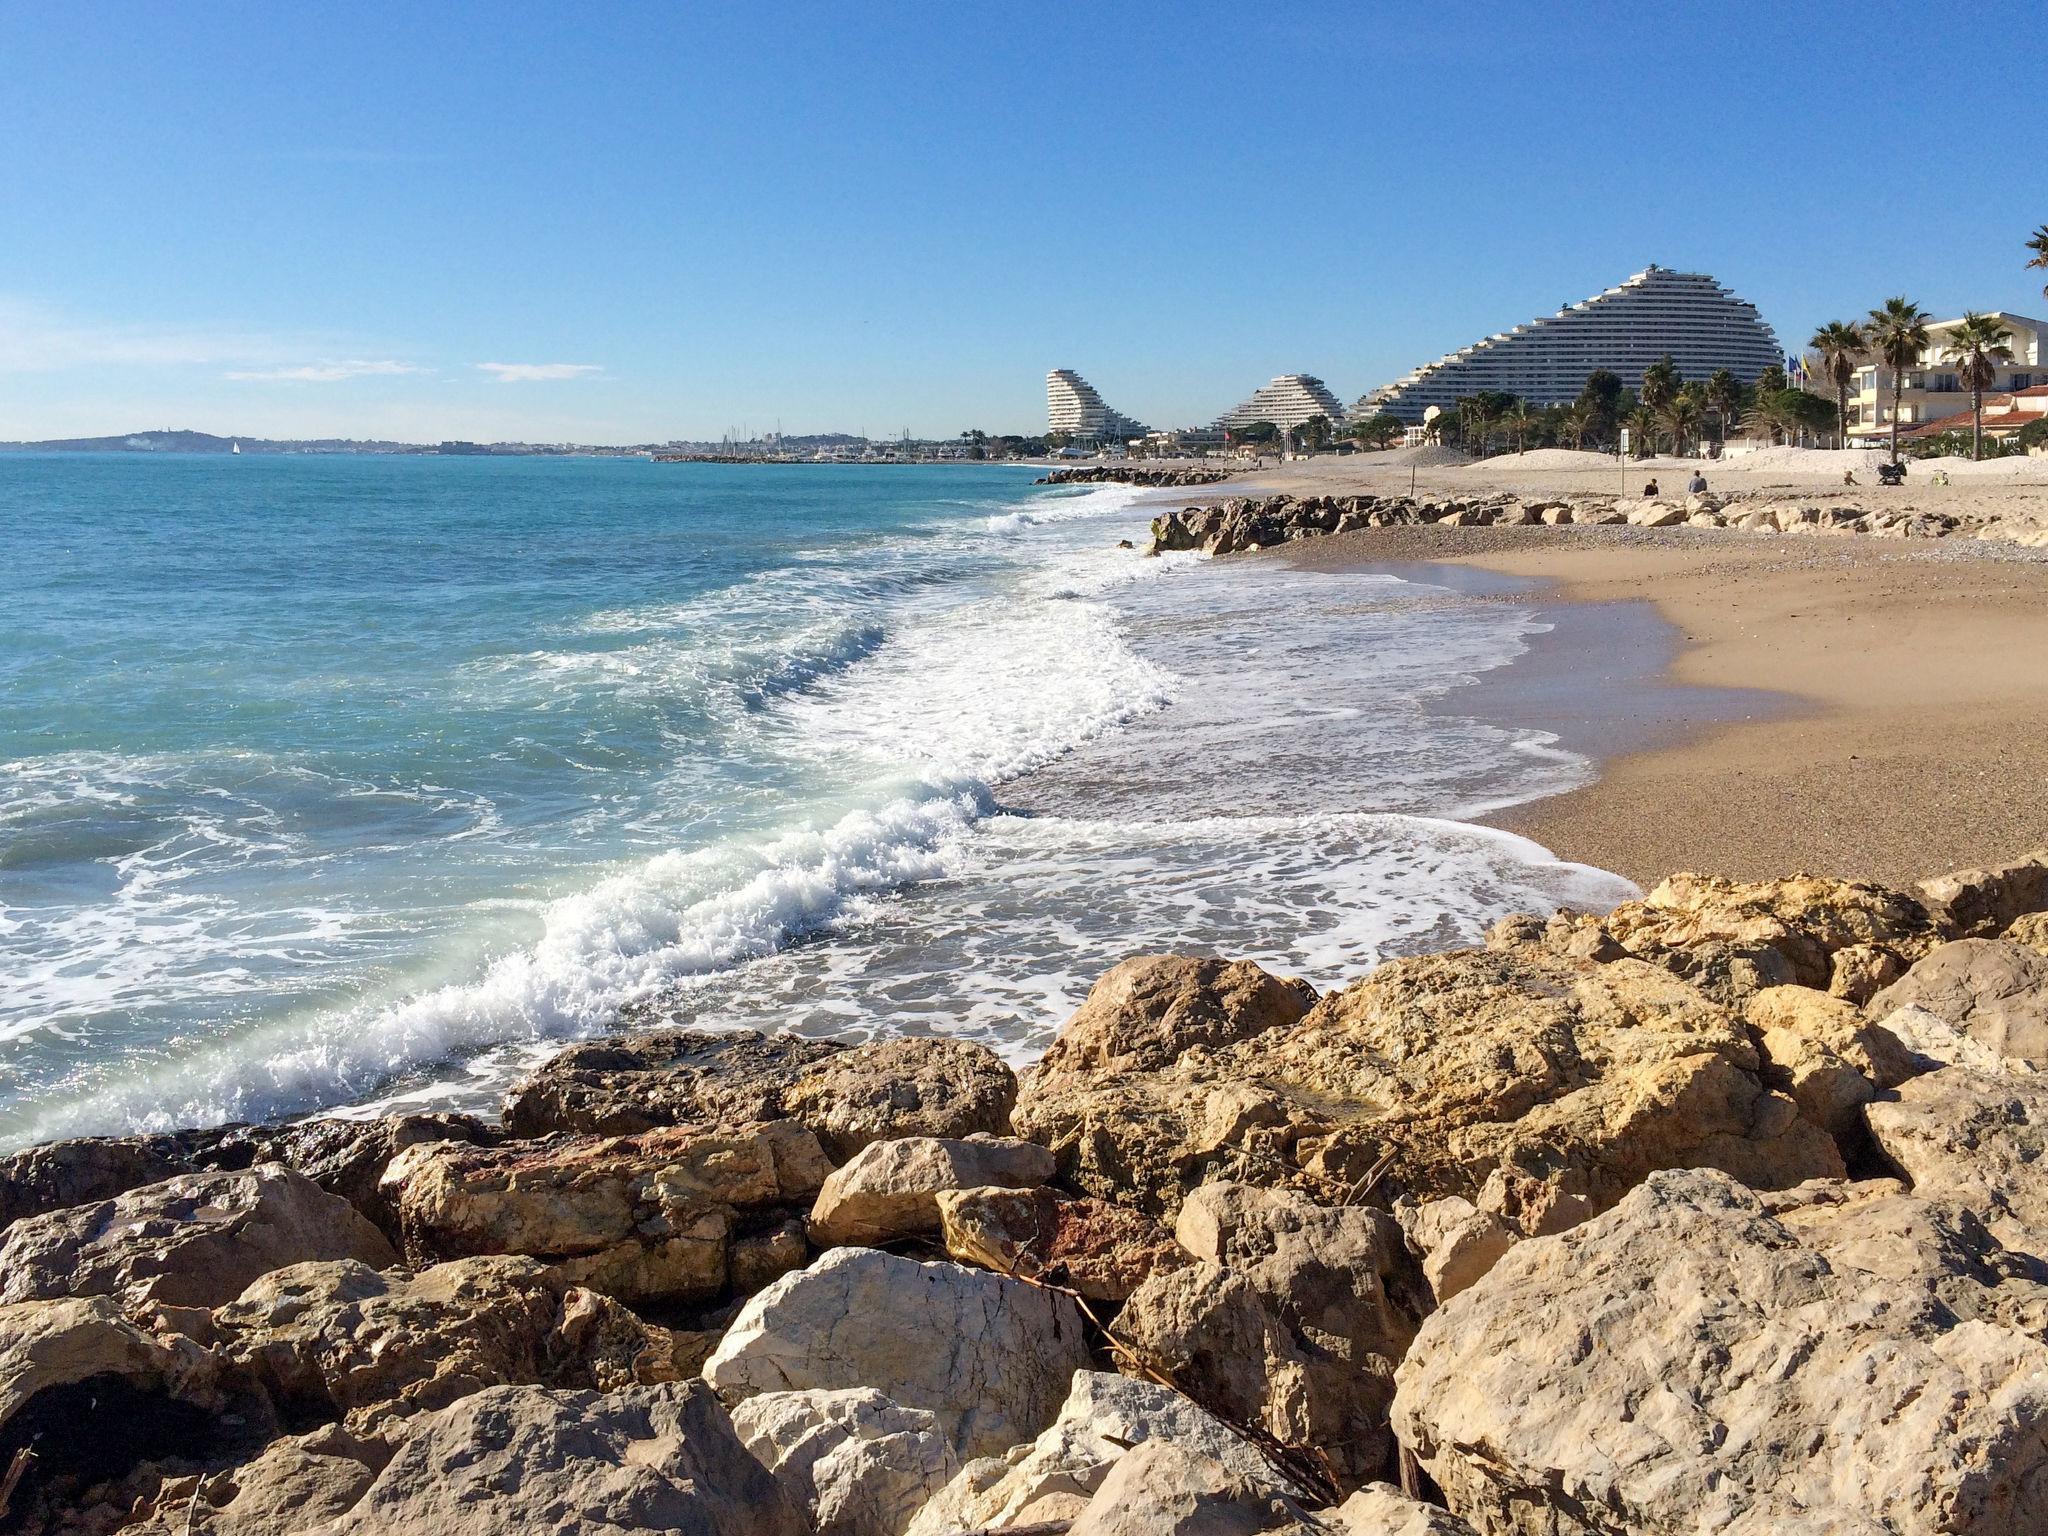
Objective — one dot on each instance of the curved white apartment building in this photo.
(1072, 406)
(1688, 316)
(1286, 402)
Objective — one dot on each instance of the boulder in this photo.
(47, 1345)
(1830, 1058)
(339, 1340)
(1456, 1241)
(848, 1096)
(648, 1218)
(991, 1357)
(88, 1171)
(889, 1189)
(1976, 1138)
(1578, 1078)
(1685, 1362)
(292, 1488)
(1934, 1043)
(1982, 903)
(348, 1157)
(1055, 1476)
(1802, 921)
(1160, 1489)
(1102, 1251)
(2031, 929)
(1656, 514)
(514, 1461)
(1381, 1509)
(1142, 1013)
(1994, 990)
(1859, 972)
(856, 1462)
(196, 1240)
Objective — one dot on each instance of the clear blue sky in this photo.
(667, 219)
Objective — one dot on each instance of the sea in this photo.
(349, 784)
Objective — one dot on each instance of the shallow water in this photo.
(334, 782)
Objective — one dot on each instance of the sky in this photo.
(636, 222)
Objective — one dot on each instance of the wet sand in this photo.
(1850, 706)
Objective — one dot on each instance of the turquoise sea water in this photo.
(331, 781)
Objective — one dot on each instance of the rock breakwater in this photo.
(1245, 523)
(1723, 1210)
(1137, 474)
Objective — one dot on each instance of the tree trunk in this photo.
(1898, 385)
(1976, 425)
(1841, 415)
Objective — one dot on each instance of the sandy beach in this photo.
(1892, 713)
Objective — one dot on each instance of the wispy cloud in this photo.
(37, 340)
(534, 373)
(328, 373)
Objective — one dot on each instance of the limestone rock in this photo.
(1143, 1013)
(1577, 1077)
(1978, 1139)
(1803, 921)
(858, 1463)
(1934, 1043)
(292, 1488)
(45, 1345)
(348, 1157)
(1823, 1052)
(86, 1171)
(1100, 1250)
(991, 1357)
(1993, 989)
(644, 1218)
(197, 1240)
(1456, 1240)
(340, 1340)
(889, 1189)
(1381, 1509)
(1053, 1477)
(1859, 972)
(515, 1461)
(2030, 930)
(848, 1096)
(1685, 1363)
(1982, 903)
(1159, 1489)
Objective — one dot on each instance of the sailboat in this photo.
(234, 447)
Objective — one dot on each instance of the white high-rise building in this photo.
(1072, 406)
(1288, 401)
(1686, 316)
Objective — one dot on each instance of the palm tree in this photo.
(2038, 244)
(1660, 383)
(1642, 430)
(1575, 423)
(1898, 335)
(1680, 416)
(1840, 343)
(1977, 344)
(1477, 420)
(1519, 421)
(1724, 398)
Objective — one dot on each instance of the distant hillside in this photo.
(168, 441)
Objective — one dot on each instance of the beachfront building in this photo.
(1287, 402)
(1072, 406)
(1687, 316)
(2005, 414)
(1931, 390)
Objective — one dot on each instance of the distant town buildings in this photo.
(1686, 316)
(1073, 407)
(1932, 391)
(1287, 402)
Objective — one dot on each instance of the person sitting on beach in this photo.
(1651, 489)
(1697, 485)
(1848, 477)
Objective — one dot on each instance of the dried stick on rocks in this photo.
(16, 1470)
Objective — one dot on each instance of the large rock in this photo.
(46, 1345)
(1055, 1476)
(648, 1218)
(293, 1488)
(516, 1461)
(1098, 1250)
(889, 1189)
(197, 1240)
(340, 1340)
(86, 1171)
(1160, 1489)
(1994, 990)
(1801, 923)
(849, 1096)
(1686, 1363)
(1456, 1240)
(1380, 1509)
(1982, 903)
(1295, 1320)
(858, 1463)
(991, 1357)
(1143, 1013)
(1978, 1138)
(1574, 1078)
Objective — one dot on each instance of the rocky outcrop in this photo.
(296, 1485)
(1984, 903)
(1570, 1079)
(990, 1357)
(859, 1464)
(890, 1189)
(514, 1461)
(651, 1218)
(848, 1096)
(1137, 474)
(1055, 1476)
(1685, 1363)
(1161, 1489)
(1097, 1249)
(1143, 1013)
(197, 1240)
(1993, 990)
(342, 1341)
(1979, 1139)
